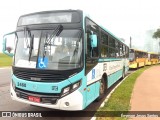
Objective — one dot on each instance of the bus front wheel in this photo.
(102, 89)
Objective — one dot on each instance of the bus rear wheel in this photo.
(123, 74)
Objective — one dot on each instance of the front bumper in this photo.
(74, 101)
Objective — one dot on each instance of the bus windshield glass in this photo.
(131, 55)
(43, 50)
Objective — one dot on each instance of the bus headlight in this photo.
(76, 85)
(66, 90)
(71, 88)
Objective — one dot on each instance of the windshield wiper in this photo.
(55, 33)
(31, 47)
(31, 37)
(77, 45)
(27, 31)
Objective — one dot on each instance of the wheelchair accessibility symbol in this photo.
(42, 63)
(93, 73)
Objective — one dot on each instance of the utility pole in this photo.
(130, 43)
(159, 47)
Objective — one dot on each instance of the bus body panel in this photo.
(147, 62)
(154, 61)
(113, 69)
(39, 86)
(133, 65)
(92, 92)
(153, 58)
(47, 88)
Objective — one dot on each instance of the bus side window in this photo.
(124, 51)
(91, 52)
(104, 44)
(88, 47)
(117, 49)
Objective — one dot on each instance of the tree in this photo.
(156, 35)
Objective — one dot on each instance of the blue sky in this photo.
(124, 18)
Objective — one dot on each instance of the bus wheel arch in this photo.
(106, 80)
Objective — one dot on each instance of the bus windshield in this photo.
(131, 55)
(43, 50)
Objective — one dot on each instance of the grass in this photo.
(120, 99)
(5, 60)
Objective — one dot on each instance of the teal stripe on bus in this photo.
(40, 87)
(110, 59)
(114, 77)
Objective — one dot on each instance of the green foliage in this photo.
(156, 34)
(120, 99)
(5, 60)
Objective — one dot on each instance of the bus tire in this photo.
(123, 74)
(137, 65)
(102, 90)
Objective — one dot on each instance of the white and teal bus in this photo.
(63, 60)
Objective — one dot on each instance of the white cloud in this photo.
(124, 18)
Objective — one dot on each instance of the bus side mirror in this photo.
(93, 38)
(9, 44)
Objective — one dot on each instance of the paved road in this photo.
(6, 104)
(146, 92)
(5, 75)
